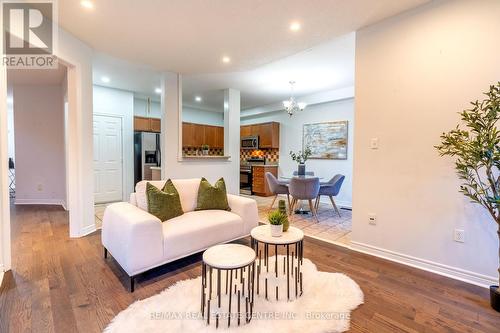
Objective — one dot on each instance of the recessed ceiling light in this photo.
(105, 79)
(295, 26)
(87, 4)
(158, 90)
(197, 98)
(226, 59)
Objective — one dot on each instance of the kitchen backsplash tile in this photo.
(197, 151)
(272, 154)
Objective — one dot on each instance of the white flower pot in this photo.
(276, 230)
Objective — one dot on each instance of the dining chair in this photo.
(330, 189)
(304, 189)
(308, 173)
(277, 187)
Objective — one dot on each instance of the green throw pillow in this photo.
(212, 197)
(164, 204)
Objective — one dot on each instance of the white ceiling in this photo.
(191, 36)
(266, 57)
(325, 67)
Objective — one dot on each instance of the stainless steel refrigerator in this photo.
(147, 153)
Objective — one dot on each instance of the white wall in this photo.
(115, 102)
(140, 108)
(10, 127)
(414, 72)
(189, 114)
(39, 140)
(291, 139)
(174, 166)
(198, 116)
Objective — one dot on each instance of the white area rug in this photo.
(325, 306)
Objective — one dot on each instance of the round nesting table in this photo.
(293, 241)
(235, 263)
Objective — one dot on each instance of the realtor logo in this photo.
(29, 30)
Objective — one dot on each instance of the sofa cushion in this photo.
(164, 204)
(187, 188)
(140, 192)
(212, 197)
(197, 230)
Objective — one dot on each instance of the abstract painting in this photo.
(327, 140)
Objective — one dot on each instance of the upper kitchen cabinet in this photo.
(268, 133)
(147, 115)
(202, 121)
(245, 131)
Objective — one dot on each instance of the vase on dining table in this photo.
(302, 170)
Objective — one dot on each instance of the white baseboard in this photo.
(87, 230)
(340, 203)
(57, 202)
(426, 265)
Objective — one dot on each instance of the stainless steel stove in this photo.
(246, 173)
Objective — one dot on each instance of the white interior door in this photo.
(108, 159)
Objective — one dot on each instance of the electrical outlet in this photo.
(39, 188)
(372, 219)
(374, 143)
(459, 235)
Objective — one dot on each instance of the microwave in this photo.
(250, 142)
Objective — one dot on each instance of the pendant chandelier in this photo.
(291, 105)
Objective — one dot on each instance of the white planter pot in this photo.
(276, 230)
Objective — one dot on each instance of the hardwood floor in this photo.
(64, 285)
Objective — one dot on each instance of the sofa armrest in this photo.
(246, 208)
(132, 236)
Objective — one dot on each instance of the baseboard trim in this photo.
(57, 202)
(340, 203)
(426, 265)
(87, 230)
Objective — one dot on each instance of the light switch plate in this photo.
(374, 143)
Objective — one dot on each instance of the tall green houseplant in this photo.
(475, 146)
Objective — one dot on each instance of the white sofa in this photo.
(139, 241)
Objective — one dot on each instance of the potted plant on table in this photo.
(204, 149)
(476, 149)
(301, 157)
(276, 220)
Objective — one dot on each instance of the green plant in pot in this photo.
(475, 146)
(276, 220)
(282, 210)
(301, 157)
(204, 149)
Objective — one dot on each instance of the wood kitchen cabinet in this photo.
(219, 137)
(196, 135)
(268, 133)
(155, 125)
(188, 130)
(259, 181)
(245, 131)
(144, 124)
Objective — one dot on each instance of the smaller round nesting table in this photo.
(235, 263)
(293, 241)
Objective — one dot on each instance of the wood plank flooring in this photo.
(64, 285)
